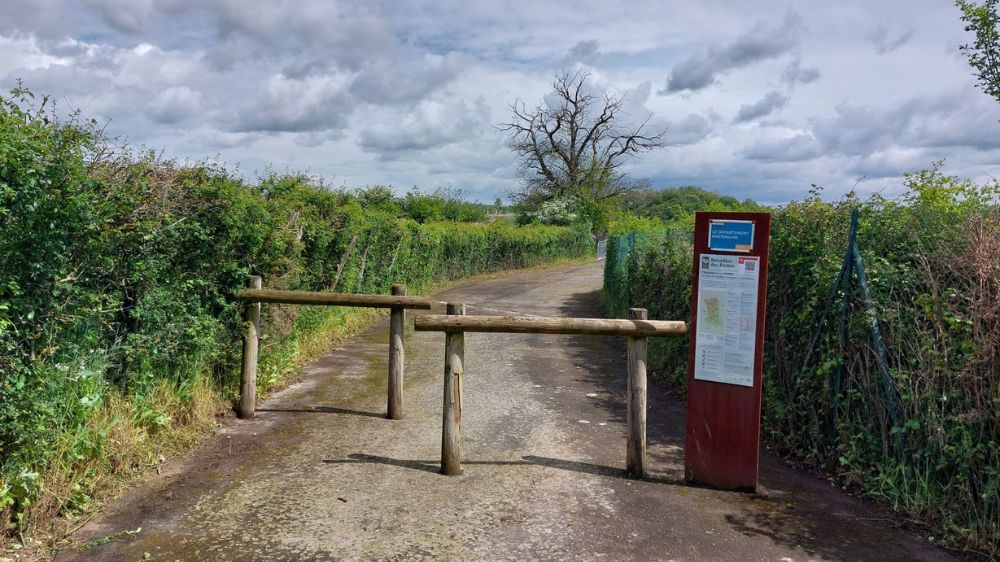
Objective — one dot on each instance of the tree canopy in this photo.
(574, 145)
(984, 53)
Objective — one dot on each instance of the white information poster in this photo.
(727, 318)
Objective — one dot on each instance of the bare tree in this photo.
(575, 145)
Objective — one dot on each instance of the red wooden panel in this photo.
(723, 420)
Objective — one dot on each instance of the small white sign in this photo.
(726, 336)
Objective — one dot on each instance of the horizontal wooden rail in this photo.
(332, 299)
(539, 325)
(253, 296)
(637, 328)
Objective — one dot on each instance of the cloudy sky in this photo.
(760, 98)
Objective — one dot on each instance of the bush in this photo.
(931, 259)
(118, 322)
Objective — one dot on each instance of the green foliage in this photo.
(984, 53)
(118, 274)
(931, 259)
(677, 205)
(562, 211)
(442, 205)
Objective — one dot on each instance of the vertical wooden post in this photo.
(397, 319)
(251, 335)
(635, 417)
(454, 367)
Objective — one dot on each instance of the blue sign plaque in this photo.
(730, 236)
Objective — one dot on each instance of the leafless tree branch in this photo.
(575, 146)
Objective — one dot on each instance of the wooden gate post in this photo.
(397, 319)
(635, 417)
(251, 336)
(454, 367)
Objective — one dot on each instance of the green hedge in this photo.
(933, 262)
(117, 276)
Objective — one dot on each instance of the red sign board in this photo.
(727, 347)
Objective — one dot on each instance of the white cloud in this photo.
(409, 95)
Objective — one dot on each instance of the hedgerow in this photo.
(118, 323)
(933, 263)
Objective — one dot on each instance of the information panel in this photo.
(730, 236)
(725, 355)
(727, 319)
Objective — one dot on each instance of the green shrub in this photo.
(932, 263)
(117, 280)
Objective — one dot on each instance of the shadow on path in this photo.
(527, 460)
(322, 410)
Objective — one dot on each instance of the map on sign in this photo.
(730, 235)
(726, 333)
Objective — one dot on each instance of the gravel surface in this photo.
(322, 475)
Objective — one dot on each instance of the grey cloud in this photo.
(634, 110)
(349, 36)
(432, 125)
(585, 51)
(789, 149)
(299, 68)
(224, 55)
(889, 163)
(957, 119)
(795, 74)
(761, 42)
(692, 129)
(175, 104)
(319, 38)
(405, 81)
(129, 16)
(298, 106)
(770, 103)
(859, 129)
(884, 44)
(44, 18)
(215, 139)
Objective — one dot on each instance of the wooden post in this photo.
(251, 335)
(397, 319)
(635, 417)
(454, 366)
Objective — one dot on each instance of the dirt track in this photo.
(320, 474)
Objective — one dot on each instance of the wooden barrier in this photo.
(635, 402)
(451, 427)
(332, 299)
(253, 296)
(397, 321)
(541, 325)
(251, 340)
(637, 328)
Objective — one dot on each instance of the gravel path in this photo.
(321, 475)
